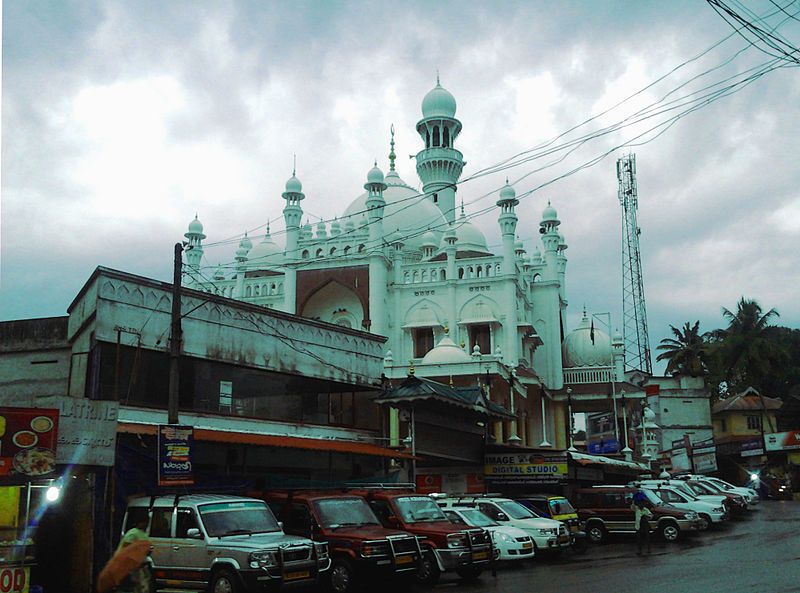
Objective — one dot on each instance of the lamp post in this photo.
(545, 442)
(513, 438)
(626, 450)
(571, 427)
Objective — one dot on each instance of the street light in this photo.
(627, 450)
(571, 427)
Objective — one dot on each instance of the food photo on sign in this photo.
(28, 438)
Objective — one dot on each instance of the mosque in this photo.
(408, 264)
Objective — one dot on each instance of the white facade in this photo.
(681, 408)
(406, 263)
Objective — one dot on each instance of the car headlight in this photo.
(375, 549)
(262, 558)
(504, 537)
(719, 510)
(322, 550)
(457, 540)
(548, 531)
(691, 516)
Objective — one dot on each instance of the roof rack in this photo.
(380, 486)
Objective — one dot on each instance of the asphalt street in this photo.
(759, 553)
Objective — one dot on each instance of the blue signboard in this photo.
(603, 446)
(175, 444)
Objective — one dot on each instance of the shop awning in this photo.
(268, 440)
(584, 459)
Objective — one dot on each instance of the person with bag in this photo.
(642, 513)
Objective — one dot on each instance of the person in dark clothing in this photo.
(640, 507)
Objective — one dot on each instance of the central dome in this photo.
(586, 346)
(407, 212)
(438, 103)
(470, 238)
(266, 254)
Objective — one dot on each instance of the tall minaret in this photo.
(508, 229)
(194, 250)
(550, 296)
(378, 269)
(439, 165)
(292, 213)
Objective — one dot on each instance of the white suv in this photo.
(750, 495)
(709, 512)
(547, 534)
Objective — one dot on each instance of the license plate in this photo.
(404, 560)
(297, 574)
(480, 555)
(527, 546)
(562, 539)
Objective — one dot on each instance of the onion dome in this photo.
(470, 238)
(438, 103)
(336, 227)
(549, 214)
(537, 256)
(219, 274)
(617, 338)
(446, 352)
(429, 240)
(245, 243)
(586, 346)
(293, 185)
(266, 253)
(562, 242)
(195, 229)
(350, 225)
(507, 194)
(307, 232)
(375, 175)
(322, 230)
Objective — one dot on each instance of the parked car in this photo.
(445, 547)
(360, 548)
(547, 534)
(223, 543)
(607, 509)
(709, 512)
(736, 503)
(510, 542)
(558, 508)
(750, 495)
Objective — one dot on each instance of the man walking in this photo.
(642, 513)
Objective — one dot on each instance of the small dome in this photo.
(648, 415)
(196, 227)
(586, 346)
(429, 240)
(446, 352)
(245, 243)
(336, 227)
(518, 246)
(438, 103)
(507, 193)
(617, 338)
(375, 175)
(470, 238)
(293, 186)
(549, 214)
(266, 254)
(219, 274)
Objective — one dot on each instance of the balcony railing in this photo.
(578, 375)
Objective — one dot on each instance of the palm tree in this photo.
(686, 354)
(748, 348)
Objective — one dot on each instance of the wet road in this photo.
(759, 553)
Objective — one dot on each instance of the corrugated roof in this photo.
(420, 388)
(749, 400)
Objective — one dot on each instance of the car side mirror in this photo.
(194, 533)
(501, 517)
(280, 524)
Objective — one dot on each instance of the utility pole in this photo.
(175, 338)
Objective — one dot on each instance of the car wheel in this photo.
(471, 573)
(341, 575)
(428, 572)
(705, 522)
(223, 581)
(670, 532)
(596, 532)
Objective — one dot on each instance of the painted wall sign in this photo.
(175, 444)
(28, 439)
(87, 432)
(782, 441)
(525, 467)
(15, 579)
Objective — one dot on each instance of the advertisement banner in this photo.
(28, 438)
(782, 441)
(429, 483)
(751, 448)
(15, 579)
(87, 432)
(704, 460)
(525, 468)
(602, 446)
(175, 444)
(680, 459)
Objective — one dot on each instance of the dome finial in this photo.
(392, 156)
(462, 209)
(437, 78)
(267, 227)
(294, 164)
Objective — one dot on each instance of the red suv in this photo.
(606, 509)
(445, 547)
(360, 547)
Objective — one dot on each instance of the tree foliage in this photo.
(685, 354)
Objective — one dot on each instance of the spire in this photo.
(462, 209)
(294, 164)
(437, 78)
(392, 156)
(267, 228)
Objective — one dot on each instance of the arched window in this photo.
(305, 254)
(406, 278)
(361, 248)
(446, 139)
(460, 273)
(427, 139)
(347, 250)
(248, 292)
(434, 276)
(444, 274)
(416, 276)
(256, 290)
(479, 273)
(333, 250)
(424, 275)
(319, 252)
(280, 287)
(470, 272)
(273, 289)
(436, 140)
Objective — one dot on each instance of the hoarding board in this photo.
(175, 444)
(28, 439)
(751, 448)
(87, 432)
(15, 579)
(782, 441)
(524, 468)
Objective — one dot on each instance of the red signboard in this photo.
(28, 438)
(14, 580)
(429, 483)
(782, 441)
(475, 484)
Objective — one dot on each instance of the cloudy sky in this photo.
(120, 120)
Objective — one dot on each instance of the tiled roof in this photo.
(749, 400)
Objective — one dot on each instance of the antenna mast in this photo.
(634, 327)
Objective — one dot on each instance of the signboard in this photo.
(28, 441)
(751, 448)
(175, 444)
(782, 441)
(705, 460)
(15, 579)
(525, 468)
(429, 483)
(87, 432)
(602, 446)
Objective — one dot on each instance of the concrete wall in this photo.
(34, 357)
(682, 407)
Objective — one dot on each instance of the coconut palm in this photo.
(687, 353)
(748, 348)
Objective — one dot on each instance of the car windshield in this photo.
(515, 510)
(702, 488)
(344, 512)
(653, 498)
(712, 486)
(237, 518)
(721, 484)
(561, 506)
(686, 491)
(418, 509)
(475, 518)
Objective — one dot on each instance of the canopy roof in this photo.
(420, 389)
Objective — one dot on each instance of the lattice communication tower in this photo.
(634, 314)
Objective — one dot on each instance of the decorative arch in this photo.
(426, 309)
(479, 309)
(335, 303)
